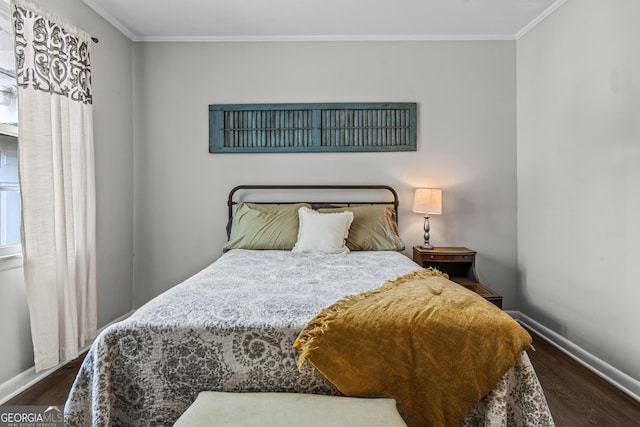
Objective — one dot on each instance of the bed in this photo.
(231, 327)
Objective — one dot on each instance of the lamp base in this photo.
(426, 244)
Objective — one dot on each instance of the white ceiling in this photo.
(271, 20)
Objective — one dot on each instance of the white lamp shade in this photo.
(428, 201)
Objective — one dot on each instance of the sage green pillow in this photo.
(374, 228)
(257, 226)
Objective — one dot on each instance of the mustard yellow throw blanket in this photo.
(434, 346)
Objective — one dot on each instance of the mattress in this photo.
(231, 327)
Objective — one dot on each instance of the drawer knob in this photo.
(431, 256)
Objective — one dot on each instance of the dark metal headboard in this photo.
(395, 203)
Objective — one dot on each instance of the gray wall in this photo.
(112, 67)
(466, 143)
(578, 177)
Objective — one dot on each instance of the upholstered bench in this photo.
(288, 409)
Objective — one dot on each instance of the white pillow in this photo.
(323, 232)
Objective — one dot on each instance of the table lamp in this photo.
(427, 201)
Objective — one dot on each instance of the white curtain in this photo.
(57, 182)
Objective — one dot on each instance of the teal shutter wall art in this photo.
(337, 127)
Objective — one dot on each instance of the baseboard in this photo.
(26, 379)
(624, 382)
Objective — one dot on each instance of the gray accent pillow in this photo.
(374, 228)
(256, 226)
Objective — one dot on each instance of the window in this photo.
(9, 196)
(10, 209)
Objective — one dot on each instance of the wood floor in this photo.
(51, 391)
(576, 396)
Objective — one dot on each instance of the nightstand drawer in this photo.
(447, 258)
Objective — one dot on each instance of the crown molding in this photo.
(330, 38)
(95, 5)
(539, 18)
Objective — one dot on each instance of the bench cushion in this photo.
(288, 409)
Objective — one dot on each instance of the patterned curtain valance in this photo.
(59, 62)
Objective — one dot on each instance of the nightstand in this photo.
(460, 264)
